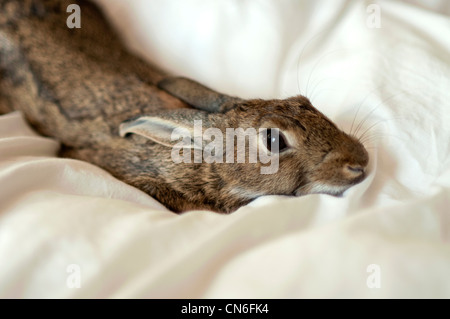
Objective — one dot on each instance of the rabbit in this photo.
(110, 108)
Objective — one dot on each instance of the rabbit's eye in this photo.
(273, 138)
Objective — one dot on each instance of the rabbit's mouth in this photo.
(322, 188)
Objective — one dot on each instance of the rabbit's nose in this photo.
(354, 171)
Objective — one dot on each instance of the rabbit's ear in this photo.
(197, 95)
(167, 128)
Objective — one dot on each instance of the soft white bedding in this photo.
(387, 237)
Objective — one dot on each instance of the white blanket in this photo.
(68, 229)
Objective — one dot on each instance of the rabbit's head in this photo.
(253, 147)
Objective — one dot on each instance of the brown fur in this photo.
(79, 85)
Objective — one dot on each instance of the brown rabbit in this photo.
(110, 108)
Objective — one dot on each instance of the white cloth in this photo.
(387, 237)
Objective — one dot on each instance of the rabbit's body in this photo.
(72, 78)
(79, 85)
